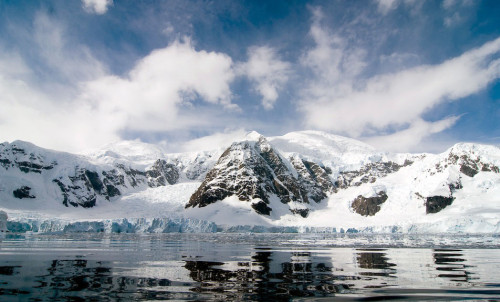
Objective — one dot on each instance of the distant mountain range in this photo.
(306, 178)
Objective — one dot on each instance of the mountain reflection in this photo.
(270, 275)
(256, 274)
(7, 270)
(376, 262)
(82, 278)
(451, 265)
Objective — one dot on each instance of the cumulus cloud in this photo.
(168, 89)
(336, 101)
(150, 96)
(267, 71)
(97, 6)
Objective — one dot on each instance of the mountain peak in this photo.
(253, 136)
(128, 150)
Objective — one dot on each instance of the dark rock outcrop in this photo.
(314, 178)
(162, 173)
(302, 212)
(468, 170)
(261, 208)
(368, 206)
(435, 204)
(76, 195)
(369, 173)
(490, 168)
(454, 186)
(23, 192)
(82, 188)
(470, 163)
(14, 156)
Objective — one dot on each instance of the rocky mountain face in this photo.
(254, 170)
(77, 180)
(368, 173)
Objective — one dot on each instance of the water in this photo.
(252, 267)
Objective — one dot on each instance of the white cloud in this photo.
(70, 61)
(30, 114)
(211, 142)
(268, 72)
(385, 6)
(176, 87)
(337, 99)
(332, 61)
(34, 108)
(411, 137)
(396, 99)
(97, 6)
(150, 97)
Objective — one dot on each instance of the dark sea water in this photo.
(250, 267)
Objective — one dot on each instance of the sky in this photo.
(401, 75)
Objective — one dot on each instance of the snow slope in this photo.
(371, 191)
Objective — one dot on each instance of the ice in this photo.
(132, 225)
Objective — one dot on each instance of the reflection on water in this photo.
(452, 264)
(277, 275)
(376, 262)
(186, 268)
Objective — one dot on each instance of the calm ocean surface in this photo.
(251, 267)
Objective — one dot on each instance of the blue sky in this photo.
(402, 75)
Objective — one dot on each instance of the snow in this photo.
(229, 212)
(475, 209)
(325, 147)
(135, 151)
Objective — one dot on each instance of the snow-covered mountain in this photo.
(302, 179)
(255, 172)
(36, 178)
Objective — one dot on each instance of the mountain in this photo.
(306, 179)
(254, 171)
(34, 177)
